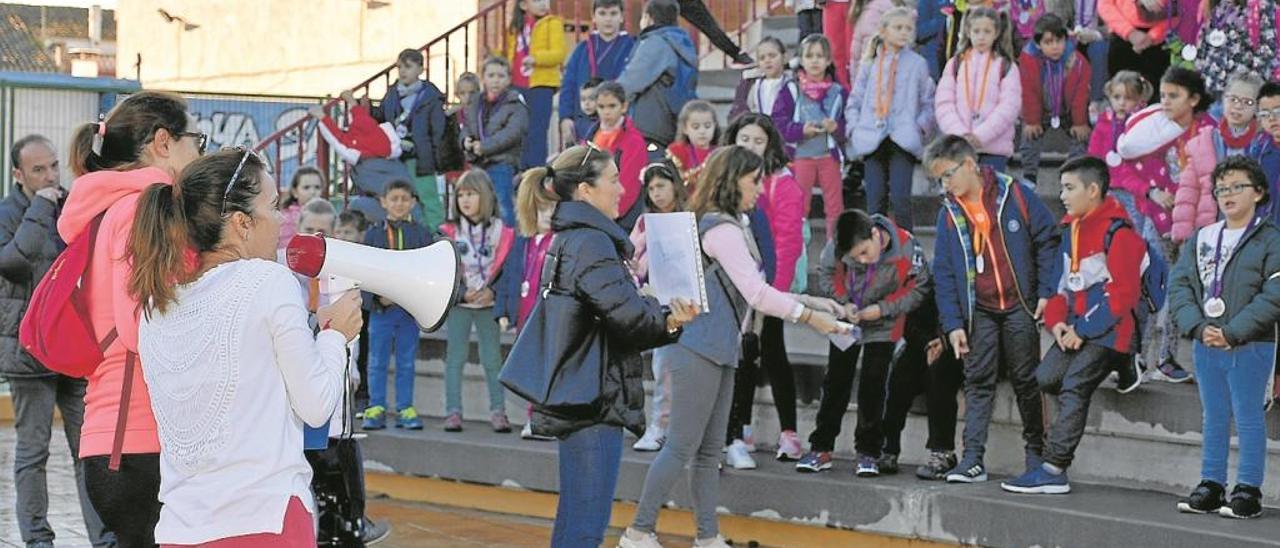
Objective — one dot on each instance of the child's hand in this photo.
(830, 126)
(870, 314)
(475, 147)
(933, 351)
(567, 134)
(850, 313)
(1033, 131)
(1080, 133)
(348, 96)
(484, 297)
(1140, 40)
(1161, 198)
(316, 111)
(527, 65)
(974, 141)
(811, 130)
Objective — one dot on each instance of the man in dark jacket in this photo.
(416, 108)
(29, 244)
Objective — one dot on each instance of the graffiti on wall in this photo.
(244, 122)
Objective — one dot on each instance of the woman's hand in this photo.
(682, 312)
(342, 315)
(824, 323)
(822, 304)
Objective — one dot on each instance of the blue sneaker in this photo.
(408, 419)
(1038, 481)
(375, 418)
(1033, 461)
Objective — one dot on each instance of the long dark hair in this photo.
(717, 188)
(1193, 82)
(663, 170)
(775, 156)
(289, 198)
(576, 165)
(130, 126)
(187, 215)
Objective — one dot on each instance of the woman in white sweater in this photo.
(232, 366)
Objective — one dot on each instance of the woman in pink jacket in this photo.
(148, 138)
(1194, 205)
(980, 94)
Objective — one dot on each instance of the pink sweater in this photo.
(1194, 205)
(727, 244)
(783, 203)
(1001, 103)
(107, 279)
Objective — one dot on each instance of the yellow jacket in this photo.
(548, 48)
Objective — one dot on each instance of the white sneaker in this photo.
(789, 447)
(740, 456)
(654, 438)
(632, 538)
(527, 433)
(716, 542)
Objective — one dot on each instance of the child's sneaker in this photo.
(375, 418)
(453, 422)
(500, 423)
(1038, 481)
(814, 461)
(1170, 372)
(1209, 496)
(408, 419)
(968, 472)
(740, 456)
(867, 467)
(713, 542)
(940, 462)
(789, 447)
(652, 440)
(1246, 502)
(632, 538)
(888, 463)
(1129, 376)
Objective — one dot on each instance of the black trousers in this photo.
(873, 390)
(361, 395)
(773, 354)
(1151, 63)
(338, 483)
(696, 12)
(810, 22)
(128, 499)
(940, 382)
(1071, 378)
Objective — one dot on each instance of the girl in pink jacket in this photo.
(146, 139)
(980, 94)
(1194, 205)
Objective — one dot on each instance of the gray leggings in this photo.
(701, 396)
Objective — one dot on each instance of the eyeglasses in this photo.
(202, 140)
(234, 175)
(947, 175)
(1265, 115)
(1241, 101)
(1232, 190)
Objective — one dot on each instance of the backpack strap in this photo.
(122, 416)
(1116, 225)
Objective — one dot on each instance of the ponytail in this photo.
(1004, 40)
(576, 165)
(872, 49)
(126, 130)
(158, 243)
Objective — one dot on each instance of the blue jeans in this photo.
(458, 329)
(392, 329)
(888, 175)
(539, 100)
(503, 177)
(1234, 383)
(589, 461)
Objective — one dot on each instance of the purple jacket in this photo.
(910, 118)
(786, 117)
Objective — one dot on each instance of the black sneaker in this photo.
(868, 466)
(968, 472)
(940, 462)
(1130, 375)
(742, 61)
(888, 463)
(1207, 497)
(1246, 502)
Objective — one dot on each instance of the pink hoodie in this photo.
(783, 204)
(116, 193)
(1001, 102)
(1194, 205)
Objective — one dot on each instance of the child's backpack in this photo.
(1155, 279)
(449, 155)
(57, 330)
(683, 87)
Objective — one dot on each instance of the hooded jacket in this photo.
(658, 52)
(898, 284)
(499, 126)
(1103, 312)
(1001, 103)
(1075, 86)
(116, 194)
(1251, 288)
(425, 123)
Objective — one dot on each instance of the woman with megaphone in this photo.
(598, 318)
(232, 365)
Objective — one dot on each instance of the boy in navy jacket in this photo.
(995, 267)
(416, 108)
(602, 55)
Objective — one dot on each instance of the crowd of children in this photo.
(1169, 170)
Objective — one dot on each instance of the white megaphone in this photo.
(426, 282)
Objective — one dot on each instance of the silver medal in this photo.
(1055, 122)
(1075, 281)
(524, 289)
(981, 264)
(1114, 159)
(1217, 38)
(1024, 17)
(1189, 52)
(1215, 307)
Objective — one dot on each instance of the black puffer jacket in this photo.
(592, 268)
(29, 243)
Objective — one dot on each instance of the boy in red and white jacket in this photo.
(1055, 92)
(1091, 316)
(364, 138)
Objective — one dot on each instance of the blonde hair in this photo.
(530, 200)
(877, 41)
(693, 107)
(477, 181)
(1003, 45)
(317, 206)
(1133, 83)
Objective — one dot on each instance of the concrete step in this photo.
(979, 515)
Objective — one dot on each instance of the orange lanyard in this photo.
(391, 238)
(883, 103)
(1075, 246)
(979, 235)
(968, 90)
(313, 294)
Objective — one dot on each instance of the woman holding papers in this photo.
(703, 360)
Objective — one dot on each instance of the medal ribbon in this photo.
(883, 103)
(591, 51)
(1055, 80)
(1216, 290)
(858, 297)
(968, 91)
(391, 238)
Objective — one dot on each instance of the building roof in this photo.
(20, 50)
(59, 21)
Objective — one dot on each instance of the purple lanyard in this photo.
(1054, 80)
(1084, 13)
(484, 244)
(1217, 255)
(866, 283)
(591, 51)
(1117, 127)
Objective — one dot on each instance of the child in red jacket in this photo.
(617, 134)
(364, 138)
(1055, 92)
(1091, 316)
